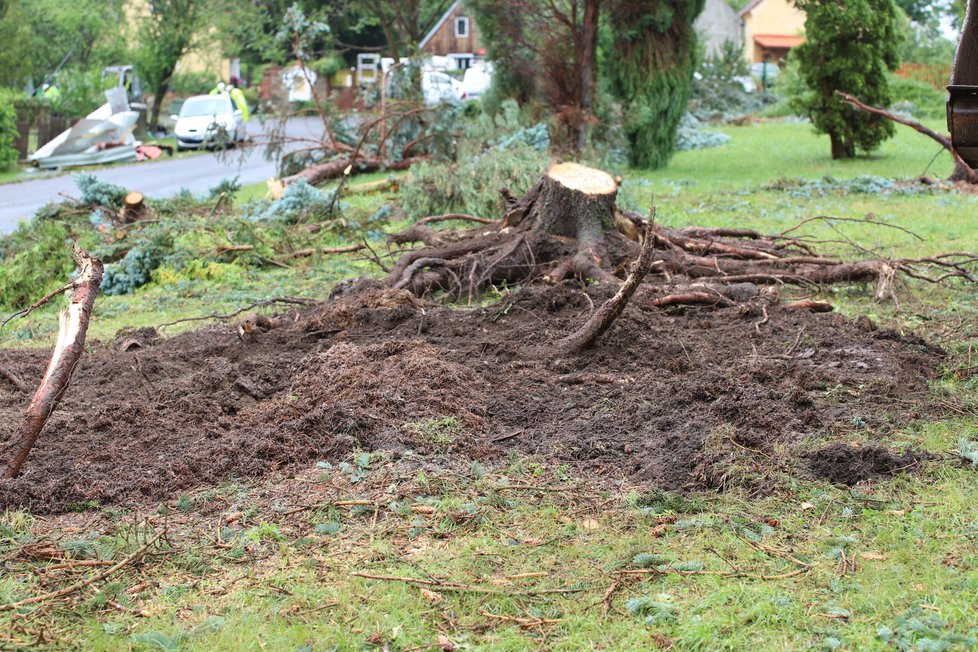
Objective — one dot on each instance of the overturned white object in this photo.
(104, 136)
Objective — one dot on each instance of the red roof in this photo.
(778, 42)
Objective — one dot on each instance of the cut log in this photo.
(133, 208)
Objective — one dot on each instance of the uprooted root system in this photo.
(685, 397)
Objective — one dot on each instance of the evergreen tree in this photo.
(849, 46)
(650, 67)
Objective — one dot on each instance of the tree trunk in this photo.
(589, 60)
(154, 117)
(574, 201)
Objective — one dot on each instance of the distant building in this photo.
(771, 29)
(718, 24)
(456, 37)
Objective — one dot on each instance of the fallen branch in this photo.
(609, 311)
(467, 588)
(265, 302)
(962, 171)
(73, 326)
(322, 172)
(77, 586)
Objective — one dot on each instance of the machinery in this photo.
(962, 102)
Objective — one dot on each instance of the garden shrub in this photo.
(472, 186)
(8, 130)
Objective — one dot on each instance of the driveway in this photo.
(161, 178)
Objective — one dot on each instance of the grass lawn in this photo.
(526, 555)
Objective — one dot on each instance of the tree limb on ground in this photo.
(323, 172)
(73, 327)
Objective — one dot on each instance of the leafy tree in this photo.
(849, 46)
(167, 33)
(8, 129)
(82, 35)
(405, 22)
(15, 38)
(651, 72)
(547, 49)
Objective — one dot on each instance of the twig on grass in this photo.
(468, 588)
(265, 302)
(77, 586)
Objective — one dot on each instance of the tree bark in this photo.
(333, 169)
(64, 359)
(588, 69)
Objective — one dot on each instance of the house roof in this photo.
(777, 41)
(749, 8)
(441, 21)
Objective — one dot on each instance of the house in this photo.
(717, 24)
(771, 29)
(456, 37)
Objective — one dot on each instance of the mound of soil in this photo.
(681, 399)
(850, 465)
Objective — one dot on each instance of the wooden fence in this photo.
(937, 75)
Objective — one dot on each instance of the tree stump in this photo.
(572, 201)
(134, 208)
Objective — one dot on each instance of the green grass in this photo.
(887, 566)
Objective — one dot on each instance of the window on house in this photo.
(462, 27)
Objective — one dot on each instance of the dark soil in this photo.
(690, 398)
(849, 465)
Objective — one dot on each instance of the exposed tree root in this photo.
(567, 225)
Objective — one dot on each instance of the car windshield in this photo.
(204, 106)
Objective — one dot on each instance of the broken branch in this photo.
(67, 352)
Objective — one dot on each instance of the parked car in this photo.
(476, 81)
(437, 87)
(208, 121)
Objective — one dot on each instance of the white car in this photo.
(208, 121)
(437, 87)
(476, 81)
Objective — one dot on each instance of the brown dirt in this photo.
(698, 398)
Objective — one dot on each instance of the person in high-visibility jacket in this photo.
(220, 88)
(238, 97)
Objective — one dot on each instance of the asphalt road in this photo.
(161, 178)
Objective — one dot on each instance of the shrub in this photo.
(192, 83)
(927, 102)
(473, 186)
(8, 130)
(849, 47)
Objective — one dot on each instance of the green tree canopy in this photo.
(849, 46)
(650, 68)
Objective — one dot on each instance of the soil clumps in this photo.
(682, 398)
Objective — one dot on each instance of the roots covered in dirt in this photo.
(680, 397)
(568, 225)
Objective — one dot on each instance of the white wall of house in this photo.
(718, 23)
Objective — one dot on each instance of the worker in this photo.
(51, 93)
(220, 88)
(238, 97)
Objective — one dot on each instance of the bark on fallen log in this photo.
(68, 350)
(323, 172)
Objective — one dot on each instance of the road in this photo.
(161, 178)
